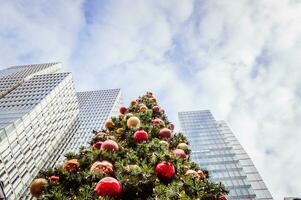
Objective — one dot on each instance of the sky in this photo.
(241, 59)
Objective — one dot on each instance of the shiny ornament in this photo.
(198, 173)
(109, 125)
(142, 108)
(109, 145)
(71, 165)
(165, 171)
(123, 109)
(190, 172)
(102, 167)
(54, 179)
(222, 197)
(156, 109)
(180, 153)
(133, 122)
(37, 186)
(140, 136)
(158, 122)
(165, 133)
(97, 145)
(201, 174)
(153, 99)
(182, 146)
(134, 102)
(108, 187)
(164, 143)
(162, 111)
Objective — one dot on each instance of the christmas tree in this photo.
(135, 156)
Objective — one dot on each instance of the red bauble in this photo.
(108, 187)
(165, 171)
(54, 179)
(97, 145)
(165, 133)
(222, 197)
(140, 136)
(180, 153)
(109, 145)
(156, 109)
(122, 109)
(149, 94)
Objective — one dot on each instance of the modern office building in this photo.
(39, 111)
(215, 148)
(94, 108)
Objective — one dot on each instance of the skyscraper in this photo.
(94, 108)
(215, 148)
(41, 117)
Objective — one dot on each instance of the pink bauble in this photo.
(156, 109)
(180, 153)
(165, 133)
(109, 145)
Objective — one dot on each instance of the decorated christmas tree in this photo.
(135, 156)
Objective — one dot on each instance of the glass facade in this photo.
(42, 117)
(95, 107)
(215, 148)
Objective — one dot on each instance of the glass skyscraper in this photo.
(215, 148)
(42, 117)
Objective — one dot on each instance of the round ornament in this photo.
(109, 125)
(165, 133)
(133, 122)
(97, 145)
(109, 145)
(180, 153)
(140, 136)
(182, 146)
(54, 179)
(123, 109)
(71, 165)
(108, 187)
(102, 167)
(165, 171)
(37, 186)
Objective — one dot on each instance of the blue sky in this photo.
(240, 59)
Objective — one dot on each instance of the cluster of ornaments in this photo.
(110, 186)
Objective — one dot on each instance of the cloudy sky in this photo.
(240, 59)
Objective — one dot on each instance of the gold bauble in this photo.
(109, 125)
(133, 122)
(37, 186)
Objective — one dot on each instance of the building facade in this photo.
(215, 148)
(95, 107)
(39, 109)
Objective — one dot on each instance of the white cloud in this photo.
(240, 59)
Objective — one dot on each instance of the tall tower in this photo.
(38, 105)
(42, 117)
(214, 147)
(95, 107)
